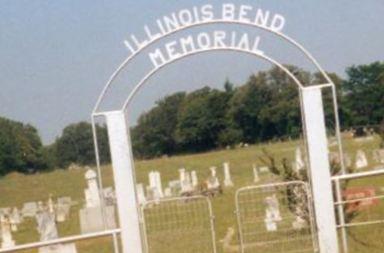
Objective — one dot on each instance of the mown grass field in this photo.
(16, 189)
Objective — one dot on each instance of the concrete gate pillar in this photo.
(123, 172)
(317, 146)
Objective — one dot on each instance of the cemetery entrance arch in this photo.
(312, 120)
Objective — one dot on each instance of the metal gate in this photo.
(179, 225)
(276, 218)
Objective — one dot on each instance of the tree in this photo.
(201, 118)
(267, 106)
(364, 94)
(75, 145)
(20, 148)
(155, 131)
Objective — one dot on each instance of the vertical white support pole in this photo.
(314, 125)
(123, 171)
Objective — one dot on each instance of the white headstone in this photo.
(6, 235)
(256, 177)
(195, 181)
(29, 209)
(299, 163)
(213, 181)
(92, 194)
(14, 219)
(378, 155)
(185, 181)
(175, 186)
(159, 186)
(155, 184)
(46, 226)
(91, 219)
(264, 169)
(361, 160)
(299, 223)
(140, 194)
(94, 217)
(15, 216)
(51, 205)
(63, 208)
(272, 210)
(227, 175)
(47, 229)
(270, 225)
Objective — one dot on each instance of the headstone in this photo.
(15, 219)
(94, 217)
(92, 194)
(29, 209)
(299, 223)
(272, 213)
(272, 209)
(51, 205)
(46, 226)
(63, 208)
(185, 181)
(361, 160)
(270, 225)
(264, 169)
(175, 186)
(91, 219)
(155, 184)
(47, 229)
(299, 163)
(195, 181)
(213, 181)
(149, 193)
(256, 177)
(109, 196)
(140, 194)
(227, 175)
(159, 186)
(6, 235)
(334, 157)
(378, 156)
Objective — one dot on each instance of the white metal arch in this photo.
(313, 122)
(210, 22)
(285, 37)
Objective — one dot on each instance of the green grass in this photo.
(15, 189)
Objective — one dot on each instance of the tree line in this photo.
(266, 107)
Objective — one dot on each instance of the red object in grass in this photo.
(363, 196)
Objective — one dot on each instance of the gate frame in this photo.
(279, 184)
(327, 239)
(191, 198)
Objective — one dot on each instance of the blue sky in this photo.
(55, 56)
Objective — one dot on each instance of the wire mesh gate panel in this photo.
(275, 218)
(179, 225)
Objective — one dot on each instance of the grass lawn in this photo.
(16, 189)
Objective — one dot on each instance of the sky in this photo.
(56, 56)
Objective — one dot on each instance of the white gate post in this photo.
(123, 171)
(317, 144)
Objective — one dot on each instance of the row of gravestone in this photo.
(187, 184)
(361, 161)
(97, 214)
